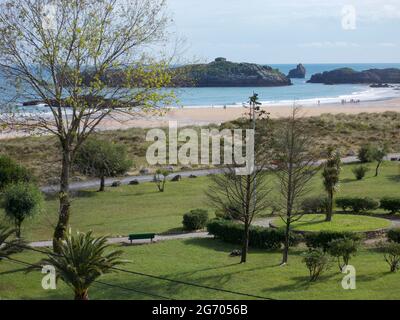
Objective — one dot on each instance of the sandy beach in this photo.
(216, 115)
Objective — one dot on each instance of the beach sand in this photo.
(216, 115)
(192, 116)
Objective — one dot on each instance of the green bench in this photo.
(142, 236)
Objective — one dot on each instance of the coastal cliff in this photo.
(223, 73)
(350, 76)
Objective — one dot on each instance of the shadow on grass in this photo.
(394, 177)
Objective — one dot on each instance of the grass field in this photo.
(340, 222)
(129, 209)
(207, 262)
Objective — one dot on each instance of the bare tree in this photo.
(295, 167)
(244, 196)
(86, 60)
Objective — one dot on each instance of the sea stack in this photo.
(299, 72)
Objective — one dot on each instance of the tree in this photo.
(11, 172)
(21, 201)
(102, 159)
(379, 155)
(330, 174)
(81, 260)
(9, 247)
(343, 250)
(295, 167)
(366, 153)
(88, 61)
(160, 179)
(247, 194)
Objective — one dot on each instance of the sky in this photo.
(289, 31)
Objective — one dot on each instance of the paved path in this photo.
(75, 186)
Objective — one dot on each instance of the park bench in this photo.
(142, 236)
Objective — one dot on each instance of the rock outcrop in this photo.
(223, 73)
(299, 72)
(350, 76)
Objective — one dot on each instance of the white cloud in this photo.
(387, 44)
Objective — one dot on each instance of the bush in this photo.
(317, 262)
(394, 235)
(195, 219)
(357, 204)
(343, 249)
(314, 204)
(11, 172)
(366, 153)
(259, 237)
(391, 204)
(360, 171)
(391, 252)
(323, 239)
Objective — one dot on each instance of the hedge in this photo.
(259, 237)
(394, 235)
(322, 239)
(391, 204)
(357, 204)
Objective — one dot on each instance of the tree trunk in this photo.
(102, 184)
(82, 295)
(245, 247)
(330, 207)
(64, 202)
(18, 228)
(285, 255)
(377, 169)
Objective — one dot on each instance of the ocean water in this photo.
(300, 91)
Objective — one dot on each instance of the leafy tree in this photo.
(11, 172)
(295, 168)
(160, 178)
(343, 250)
(391, 252)
(317, 262)
(378, 155)
(82, 260)
(8, 247)
(21, 201)
(102, 159)
(89, 63)
(330, 174)
(366, 153)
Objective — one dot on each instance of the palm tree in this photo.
(8, 247)
(83, 259)
(330, 174)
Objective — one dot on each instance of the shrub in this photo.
(343, 249)
(357, 204)
(195, 219)
(394, 235)
(323, 239)
(259, 237)
(391, 204)
(360, 171)
(391, 252)
(366, 153)
(317, 262)
(12, 172)
(314, 204)
(21, 200)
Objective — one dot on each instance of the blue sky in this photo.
(289, 31)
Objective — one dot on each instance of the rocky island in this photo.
(223, 73)
(299, 72)
(350, 76)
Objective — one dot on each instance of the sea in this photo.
(300, 92)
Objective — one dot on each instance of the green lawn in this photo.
(120, 211)
(207, 262)
(340, 222)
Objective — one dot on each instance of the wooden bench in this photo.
(142, 236)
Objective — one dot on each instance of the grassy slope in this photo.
(346, 132)
(207, 262)
(316, 222)
(127, 209)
